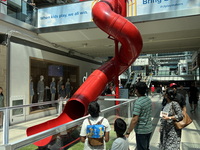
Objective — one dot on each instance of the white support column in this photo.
(59, 107)
(6, 117)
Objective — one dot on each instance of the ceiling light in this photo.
(84, 44)
(151, 39)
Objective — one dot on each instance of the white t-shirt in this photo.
(93, 121)
(163, 88)
(120, 144)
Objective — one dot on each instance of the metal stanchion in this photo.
(129, 113)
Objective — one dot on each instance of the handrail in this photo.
(34, 138)
(32, 105)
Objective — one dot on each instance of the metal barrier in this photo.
(6, 115)
(34, 138)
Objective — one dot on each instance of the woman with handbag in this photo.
(170, 136)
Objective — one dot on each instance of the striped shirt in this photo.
(143, 108)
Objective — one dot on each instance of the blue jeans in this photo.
(143, 141)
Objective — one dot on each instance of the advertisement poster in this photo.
(65, 14)
(144, 7)
(81, 12)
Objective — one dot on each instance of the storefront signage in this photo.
(85, 77)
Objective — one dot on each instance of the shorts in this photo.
(193, 99)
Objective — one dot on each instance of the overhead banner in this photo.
(65, 14)
(143, 7)
(81, 12)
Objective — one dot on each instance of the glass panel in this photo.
(17, 111)
(63, 140)
(22, 10)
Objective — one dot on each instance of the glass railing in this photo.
(68, 135)
(21, 117)
(20, 10)
(173, 73)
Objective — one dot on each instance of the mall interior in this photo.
(93, 51)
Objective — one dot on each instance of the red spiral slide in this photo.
(107, 16)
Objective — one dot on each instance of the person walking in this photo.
(193, 97)
(182, 91)
(178, 97)
(141, 121)
(152, 90)
(2, 104)
(170, 137)
(161, 92)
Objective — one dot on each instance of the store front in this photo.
(36, 76)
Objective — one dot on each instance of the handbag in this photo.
(184, 122)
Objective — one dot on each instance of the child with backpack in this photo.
(95, 129)
(121, 143)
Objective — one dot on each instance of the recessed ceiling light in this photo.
(84, 44)
(151, 39)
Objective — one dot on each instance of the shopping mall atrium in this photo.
(92, 50)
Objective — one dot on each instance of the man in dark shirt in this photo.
(182, 91)
(62, 92)
(179, 98)
(193, 97)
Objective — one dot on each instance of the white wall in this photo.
(20, 73)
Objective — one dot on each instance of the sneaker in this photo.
(191, 110)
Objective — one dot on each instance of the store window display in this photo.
(51, 76)
(59, 84)
(68, 87)
(53, 89)
(40, 90)
(31, 90)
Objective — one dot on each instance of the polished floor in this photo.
(190, 135)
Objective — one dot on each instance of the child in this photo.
(94, 110)
(121, 143)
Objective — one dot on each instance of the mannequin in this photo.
(68, 89)
(60, 82)
(31, 90)
(40, 90)
(53, 90)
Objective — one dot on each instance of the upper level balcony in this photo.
(60, 14)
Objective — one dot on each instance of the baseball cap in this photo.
(173, 84)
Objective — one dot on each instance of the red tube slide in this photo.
(106, 18)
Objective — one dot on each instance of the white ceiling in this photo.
(161, 36)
